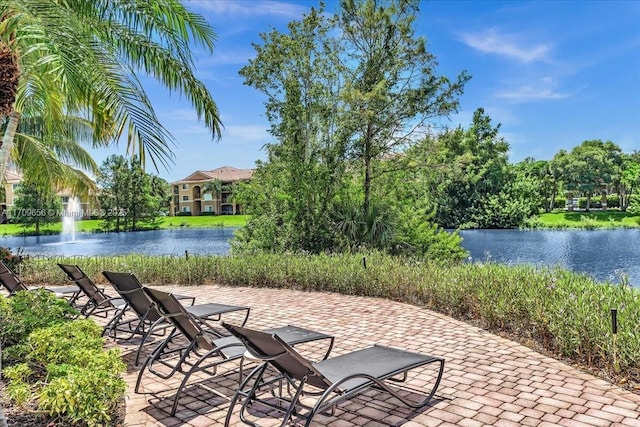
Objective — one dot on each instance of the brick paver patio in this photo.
(488, 380)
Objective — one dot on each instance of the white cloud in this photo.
(509, 45)
(544, 89)
(254, 7)
(531, 93)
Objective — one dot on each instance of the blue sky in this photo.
(553, 73)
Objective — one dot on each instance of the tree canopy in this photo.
(344, 93)
(70, 74)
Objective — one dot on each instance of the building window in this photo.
(208, 196)
(175, 189)
(65, 199)
(14, 187)
(208, 208)
(185, 198)
(186, 209)
(185, 186)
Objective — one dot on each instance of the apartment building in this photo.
(71, 205)
(208, 192)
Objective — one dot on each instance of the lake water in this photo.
(603, 254)
(156, 242)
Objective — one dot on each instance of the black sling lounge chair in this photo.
(98, 303)
(203, 345)
(333, 380)
(12, 283)
(148, 319)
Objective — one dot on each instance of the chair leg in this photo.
(144, 339)
(187, 375)
(155, 353)
(294, 402)
(245, 317)
(258, 372)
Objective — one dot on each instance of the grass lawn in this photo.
(593, 219)
(93, 225)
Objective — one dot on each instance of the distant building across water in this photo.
(208, 192)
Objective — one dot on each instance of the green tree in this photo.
(128, 196)
(214, 188)
(403, 188)
(464, 169)
(591, 167)
(72, 66)
(291, 195)
(36, 205)
(343, 94)
(518, 199)
(112, 181)
(391, 87)
(629, 178)
(161, 191)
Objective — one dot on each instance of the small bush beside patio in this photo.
(54, 365)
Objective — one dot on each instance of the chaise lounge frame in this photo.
(12, 283)
(98, 303)
(201, 343)
(148, 320)
(337, 379)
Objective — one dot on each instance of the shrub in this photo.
(560, 203)
(88, 395)
(27, 311)
(613, 201)
(634, 205)
(68, 374)
(596, 202)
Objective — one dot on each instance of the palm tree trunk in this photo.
(7, 141)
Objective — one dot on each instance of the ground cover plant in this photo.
(54, 365)
(587, 220)
(563, 313)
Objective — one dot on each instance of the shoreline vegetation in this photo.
(549, 220)
(563, 314)
(165, 222)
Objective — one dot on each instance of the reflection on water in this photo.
(604, 254)
(157, 242)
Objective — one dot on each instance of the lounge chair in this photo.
(98, 303)
(148, 319)
(333, 380)
(12, 283)
(203, 345)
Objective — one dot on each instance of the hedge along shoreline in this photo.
(566, 313)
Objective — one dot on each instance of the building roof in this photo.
(12, 177)
(224, 174)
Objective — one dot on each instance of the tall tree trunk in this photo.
(570, 206)
(367, 169)
(7, 141)
(552, 202)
